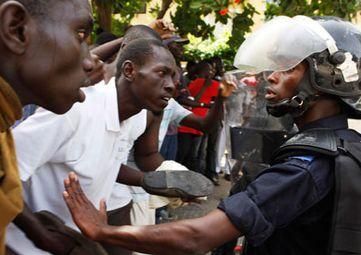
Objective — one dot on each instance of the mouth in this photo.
(270, 94)
(166, 99)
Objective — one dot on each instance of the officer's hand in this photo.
(89, 220)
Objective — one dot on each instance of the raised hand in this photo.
(163, 28)
(97, 73)
(89, 220)
(228, 85)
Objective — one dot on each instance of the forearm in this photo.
(209, 122)
(149, 162)
(214, 115)
(107, 50)
(129, 176)
(153, 239)
(189, 102)
(195, 236)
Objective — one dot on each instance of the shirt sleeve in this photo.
(39, 138)
(179, 113)
(277, 196)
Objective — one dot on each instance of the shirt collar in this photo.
(111, 107)
(10, 106)
(333, 122)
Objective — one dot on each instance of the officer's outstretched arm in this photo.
(194, 236)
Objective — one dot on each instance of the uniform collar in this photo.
(10, 106)
(335, 122)
(111, 108)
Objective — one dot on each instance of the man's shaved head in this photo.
(140, 32)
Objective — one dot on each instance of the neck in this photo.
(323, 107)
(127, 103)
(12, 79)
(109, 71)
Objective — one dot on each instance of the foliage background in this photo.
(190, 19)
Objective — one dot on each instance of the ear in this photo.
(128, 70)
(14, 26)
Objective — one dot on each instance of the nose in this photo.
(273, 78)
(170, 86)
(89, 60)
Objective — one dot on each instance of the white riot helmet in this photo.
(331, 46)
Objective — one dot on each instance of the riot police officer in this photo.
(313, 74)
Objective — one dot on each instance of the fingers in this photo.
(103, 207)
(73, 190)
(94, 57)
(228, 85)
(229, 79)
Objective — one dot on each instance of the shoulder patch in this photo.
(304, 158)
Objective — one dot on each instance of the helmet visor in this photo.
(246, 107)
(279, 45)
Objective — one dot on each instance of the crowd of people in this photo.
(94, 139)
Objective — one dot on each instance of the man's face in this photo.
(55, 63)
(153, 84)
(177, 50)
(284, 84)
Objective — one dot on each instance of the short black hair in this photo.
(137, 51)
(105, 37)
(139, 32)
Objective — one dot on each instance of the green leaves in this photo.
(190, 16)
(346, 9)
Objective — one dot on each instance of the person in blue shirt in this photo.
(313, 73)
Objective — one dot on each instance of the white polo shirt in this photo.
(88, 140)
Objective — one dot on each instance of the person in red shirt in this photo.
(203, 91)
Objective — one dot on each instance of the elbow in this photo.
(196, 246)
(195, 243)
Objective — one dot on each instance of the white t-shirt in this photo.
(174, 113)
(88, 140)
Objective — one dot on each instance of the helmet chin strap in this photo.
(298, 104)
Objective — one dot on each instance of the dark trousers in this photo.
(211, 153)
(169, 147)
(207, 154)
(188, 150)
(118, 217)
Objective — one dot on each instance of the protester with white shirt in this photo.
(94, 138)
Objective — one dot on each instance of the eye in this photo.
(161, 73)
(290, 70)
(82, 34)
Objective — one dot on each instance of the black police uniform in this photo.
(288, 208)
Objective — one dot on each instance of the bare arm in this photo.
(146, 154)
(130, 176)
(107, 50)
(207, 123)
(214, 114)
(191, 103)
(194, 236)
